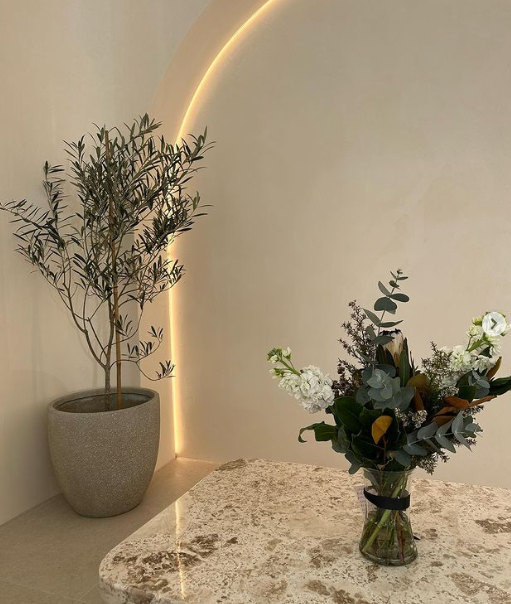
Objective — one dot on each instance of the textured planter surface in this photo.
(104, 460)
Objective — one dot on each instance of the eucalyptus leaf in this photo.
(462, 440)
(383, 289)
(385, 304)
(400, 297)
(444, 429)
(370, 332)
(473, 427)
(457, 424)
(362, 397)
(445, 443)
(427, 431)
(402, 457)
(414, 449)
(389, 324)
(372, 317)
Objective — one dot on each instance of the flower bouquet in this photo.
(390, 415)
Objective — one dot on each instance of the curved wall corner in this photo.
(206, 43)
(207, 40)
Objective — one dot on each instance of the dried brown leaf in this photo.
(494, 369)
(418, 405)
(380, 427)
(457, 402)
(419, 381)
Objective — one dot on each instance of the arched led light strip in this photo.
(214, 64)
(228, 45)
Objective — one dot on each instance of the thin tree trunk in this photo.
(117, 348)
(108, 389)
(115, 313)
(108, 354)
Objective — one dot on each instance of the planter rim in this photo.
(53, 407)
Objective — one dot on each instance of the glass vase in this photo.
(387, 537)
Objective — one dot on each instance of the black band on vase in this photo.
(388, 503)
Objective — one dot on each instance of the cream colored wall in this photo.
(353, 138)
(63, 65)
(211, 31)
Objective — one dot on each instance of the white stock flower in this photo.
(482, 363)
(311, 388)
(475, 331)
(286, 353)
(495, 342)
(461, 359)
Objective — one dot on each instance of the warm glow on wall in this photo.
(229, 45)
(218, 59)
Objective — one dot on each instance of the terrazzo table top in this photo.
(255, 532)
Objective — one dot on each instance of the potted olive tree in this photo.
(102, 244)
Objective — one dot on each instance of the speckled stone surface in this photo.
(104, 461)
(267, 532)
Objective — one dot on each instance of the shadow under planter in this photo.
(104, 460)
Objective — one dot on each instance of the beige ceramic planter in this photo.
(104, 460)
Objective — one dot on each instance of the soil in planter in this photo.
(97, 403)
